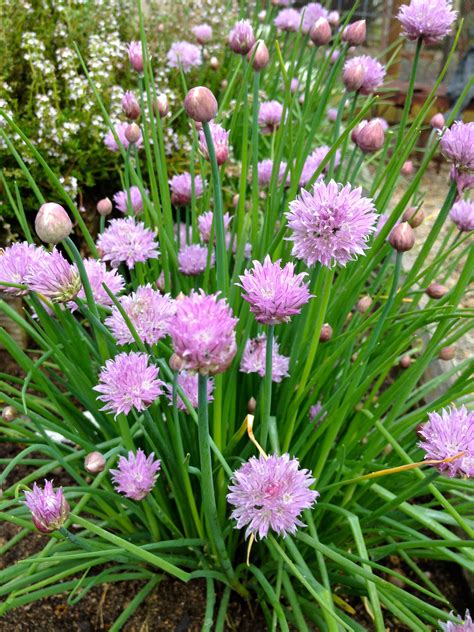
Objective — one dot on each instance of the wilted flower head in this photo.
(447, 434)
(269, 116)
(185, 54)
(330, 225)
(313, 161)
(128, 382)
(241, 37)
(288, 20)
(203, 333)
(203, 33)
(136, 201)
(270, 494)
(363, 74)
(54, 277)
(253, 358)
(97, 274)
(135, 55)
(181, 188)
(429, 20)
(274, 293)
(220, 137)
(130, 105)
(16, 263)
(205, 225)
(127, 241)
(49, 509)
(150, 313)
(136, 474)
(457, 145)
(120, 129)
(265, 168)
(462, 214)
(463, 625)
(312, 12)
(192, 259)
(189, 383)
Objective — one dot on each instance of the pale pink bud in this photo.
(405, 362)
(200, 104)
(133, 133)
(214, 63)
(407, 168)
(437, 121)
(447, 353)
(353, 77)
(94, 462)
(104, 206)
(9, 414)
(130, 106)
(261, 57)
(161, 105)
(414, 216)
(402, 237)
(354, 34)
(371, 137)
(235, 200)
(135, 55)
(176, 363)
(251, 406)
(326, 333)
(436, 290)
(320, 33)
(52, 223)
(334, 18)
(262, 15)
(364, 304)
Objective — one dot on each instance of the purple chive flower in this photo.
(136, 474)
(317, 413)
(457, 145)
(135, 55)
(429, 20)
(121, 200)
(111, 143)
(220, 137)
(269, 116)
(448, 433)
(462, 214)
(253, 359)
(97, 274)
(265, 168)
(189, 383)
(128, 382)
(54, 277)
(49, 509)
(185, 54)
(181, 188)
(463, 625)
(369, 71)
(331, 225)
(270, 494)
(192, 260)
(312, 12)
(127, 241)
(203, 333)
(332, 114)
(205, 225)
(274, 293)
(150, 313)
(130, 105)
(203, 33)
(313, 161)
(288, 20)
(16, 263)
(241, 37)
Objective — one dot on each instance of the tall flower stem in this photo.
(267, 387)
(255, 133)
(337, 127)
(221, 255)
(409, 97)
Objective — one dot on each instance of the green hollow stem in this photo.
(221, 254)
(267, 387)
(255, 137)
(411, 89)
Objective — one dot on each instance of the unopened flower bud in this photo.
(326, 333)
(371, 137)
(260, 54)
(364, 304)
(262, 15)
(414, 216)
(9, 413)
(437, 121)
(214, 63)
(133, 133)
(135, 55)
(447, 353)
(241, 37)
(130, 106)
(407, 168)
(235, 200)
(436, 290)
(176, 363)
(405, 361)
(94, 462)
(200, 104)
(334, 18)
(320, 33)
(353, 77)
(224, 84)
(161, 105)
(52, 223)
(354, 34)
(402, 237)
(104, 207)
(251, 406)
